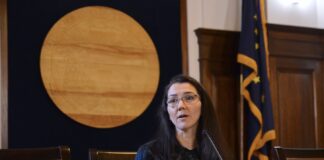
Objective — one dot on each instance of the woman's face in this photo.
(184, 106)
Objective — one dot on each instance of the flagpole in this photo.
(241, 117)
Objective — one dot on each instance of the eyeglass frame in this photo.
(182, 98)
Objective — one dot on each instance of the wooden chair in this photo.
(281, 153)
(48, 153)
(95, 154)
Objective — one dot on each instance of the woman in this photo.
(186, 112)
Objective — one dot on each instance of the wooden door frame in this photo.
(4, 75)
(184, 36)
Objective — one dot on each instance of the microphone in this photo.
(212, 143)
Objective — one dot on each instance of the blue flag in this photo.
(253, 56)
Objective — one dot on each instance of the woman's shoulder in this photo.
(148, 151)
(150, 146)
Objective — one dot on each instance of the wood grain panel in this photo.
(297, 85)
(295, 42)
(296, 108)
(220, 76)
(320, 108)
(100, 67)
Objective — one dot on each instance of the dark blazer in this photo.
(151, 151)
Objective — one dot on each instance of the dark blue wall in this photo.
(34, 120)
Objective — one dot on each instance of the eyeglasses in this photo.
(188, 99)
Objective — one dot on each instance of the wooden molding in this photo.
(4, 75)
(297, 42)
(184, 36)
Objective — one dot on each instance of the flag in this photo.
(253, 57)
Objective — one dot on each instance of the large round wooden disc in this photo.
(99, 66)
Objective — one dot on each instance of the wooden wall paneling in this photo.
(295, 42)
(4, 75)
(296, 62)
(319, 102)
(274, 97)
(320, 99)
(296, 81)
(220, 76)
(295, 109)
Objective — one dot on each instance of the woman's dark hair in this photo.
(208, 121)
